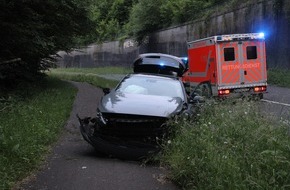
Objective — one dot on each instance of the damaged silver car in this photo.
(131, 119)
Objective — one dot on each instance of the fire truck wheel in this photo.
(204, 89)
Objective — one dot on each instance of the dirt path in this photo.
(74, 164)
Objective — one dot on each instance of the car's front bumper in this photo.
(120, 147)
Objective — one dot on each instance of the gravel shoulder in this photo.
(74, 164)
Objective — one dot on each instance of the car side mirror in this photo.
(106, 90)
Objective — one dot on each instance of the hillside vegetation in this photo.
(121, 19)
(33, 31)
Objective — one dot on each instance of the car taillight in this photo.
(260, 88)
(224, 92)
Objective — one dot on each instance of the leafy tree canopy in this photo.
(32, 30)
(110, 17)
(117, 19)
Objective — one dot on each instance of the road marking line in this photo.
(273, 102)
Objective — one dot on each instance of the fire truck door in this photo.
(229, 64)
(240, 62)
(252, 62)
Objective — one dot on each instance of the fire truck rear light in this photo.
(260, 89)
(224, 92)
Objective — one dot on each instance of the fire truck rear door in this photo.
(241, 63)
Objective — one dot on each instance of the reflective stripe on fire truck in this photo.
(228, 70)
(241, 70)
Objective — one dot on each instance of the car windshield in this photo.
(149, 85)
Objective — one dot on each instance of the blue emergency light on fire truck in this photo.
(226, 65)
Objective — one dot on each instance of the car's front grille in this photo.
(132, 120)
(132, 125)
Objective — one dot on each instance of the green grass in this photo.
(31, 119)
(92, 79)
(97, 70)
(279, 77)
(230, 146)
(90, 75)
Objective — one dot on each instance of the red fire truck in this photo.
(226, 65)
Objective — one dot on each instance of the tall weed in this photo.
(230, 146)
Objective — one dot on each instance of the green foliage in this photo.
(145, 18)
(181, 11)
(115, 19)
(34, 30)
(31, 119)
(137, 19)
(109, 17)
(108, 30)
(230, 146)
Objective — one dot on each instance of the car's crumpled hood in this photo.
(138, 104)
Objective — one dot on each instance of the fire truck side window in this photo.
(251, 52)
(229, 54)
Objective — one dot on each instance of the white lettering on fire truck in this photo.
(243, 66)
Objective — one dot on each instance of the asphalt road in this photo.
(276, 103)
(74, 164)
